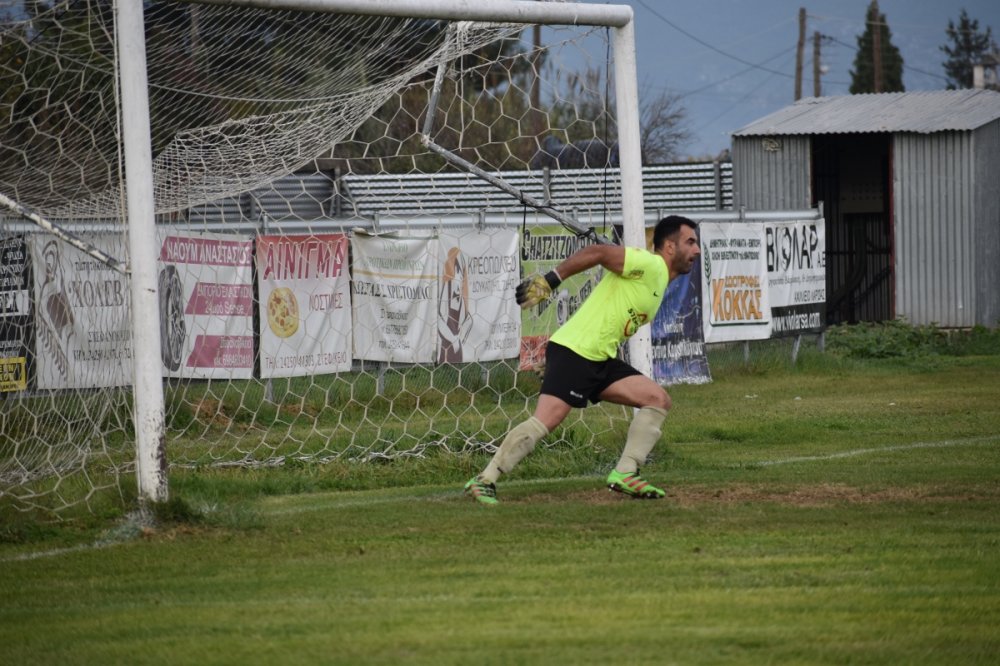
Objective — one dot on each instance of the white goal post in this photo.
(149, 406)
(275, 233)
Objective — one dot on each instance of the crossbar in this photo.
(499, 11)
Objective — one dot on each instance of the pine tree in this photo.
(968, 47)
(863, 73)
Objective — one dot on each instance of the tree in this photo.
(968, 47)
(584, 110)
(875, 44)
(662, 132)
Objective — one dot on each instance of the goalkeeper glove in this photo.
(536, 289)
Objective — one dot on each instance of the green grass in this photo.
(840, 512)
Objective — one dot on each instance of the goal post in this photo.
(151, 455)
(149, 410)
(265, 232)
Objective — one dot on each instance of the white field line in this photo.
(124, 533)
(321, 504)
(947, 443)
(37, 555)
(435, 497)
(339, 504)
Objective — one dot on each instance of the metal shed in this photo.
(910, 188)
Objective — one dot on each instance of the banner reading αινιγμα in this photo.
(305, 305)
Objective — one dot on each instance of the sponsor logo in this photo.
(634, 322)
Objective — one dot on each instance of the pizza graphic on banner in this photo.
(283, 312)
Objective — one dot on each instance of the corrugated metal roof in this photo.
(920, 112)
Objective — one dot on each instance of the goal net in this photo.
(343, 206)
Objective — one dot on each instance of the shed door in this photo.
(852, 177)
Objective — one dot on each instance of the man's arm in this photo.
(612, 257)
(538, 288)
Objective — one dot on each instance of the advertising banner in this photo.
(206, 305)
(395, 286)
(16, 332)
(82, 315)
(796, 276)
(305, 305)
(542, 249)
(734, 282)
(677, 334)
(477, 317)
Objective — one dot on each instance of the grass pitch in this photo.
(833, 514)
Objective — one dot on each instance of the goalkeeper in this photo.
(581, 360)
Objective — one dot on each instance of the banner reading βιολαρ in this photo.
(796, 276)
(542, 249)
(83, 331)
(478, 319)
(305, 305)
(734, 282)
(206, 305)
(394, 284)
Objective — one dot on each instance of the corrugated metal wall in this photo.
(772, 173)
(987, 198)
(311, 196)
(935, 228)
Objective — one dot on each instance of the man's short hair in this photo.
(669, 228)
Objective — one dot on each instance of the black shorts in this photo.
(575, 379)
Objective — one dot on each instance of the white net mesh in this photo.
(287, 335)
(238, 96)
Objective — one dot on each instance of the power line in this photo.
(739, 73)
(905, 66)
(705, 124)
(706, 44)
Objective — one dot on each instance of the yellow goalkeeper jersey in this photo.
(619, 305)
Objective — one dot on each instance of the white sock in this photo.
(518, 443)
(642, 437)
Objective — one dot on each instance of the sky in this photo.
(705, 51)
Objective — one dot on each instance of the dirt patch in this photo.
(830, 493)
(210, 410)
(595, 497)
(824, 494)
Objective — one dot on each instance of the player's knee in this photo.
(659, 398)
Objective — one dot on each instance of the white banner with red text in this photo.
(305, 305)
(206, 305)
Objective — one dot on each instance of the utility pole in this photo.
(877, 48)
(800, 53)
(817, 88)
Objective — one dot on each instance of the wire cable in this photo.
(905, 66)
(706, 44)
